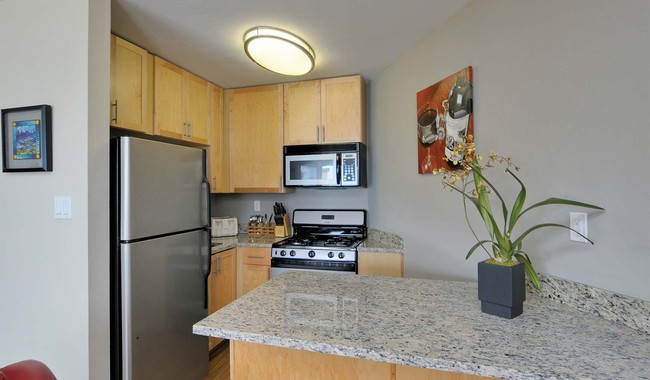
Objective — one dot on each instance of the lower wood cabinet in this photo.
(222, 284)
(381, 264)
(254, 268)
(258, 361)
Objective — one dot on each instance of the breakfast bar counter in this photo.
(430, 324)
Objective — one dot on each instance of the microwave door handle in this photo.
(338, 168)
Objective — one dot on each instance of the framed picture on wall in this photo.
(27, 139)
(444, 119)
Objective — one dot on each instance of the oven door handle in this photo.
(338, 168)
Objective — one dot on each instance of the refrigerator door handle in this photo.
(207, 249)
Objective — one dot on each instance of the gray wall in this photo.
(241, 205)
(563, 87)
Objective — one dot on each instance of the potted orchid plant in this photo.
(507, 258)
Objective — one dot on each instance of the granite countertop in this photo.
(377, 241)
(430, 324)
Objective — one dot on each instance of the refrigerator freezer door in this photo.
(161, 188)
(163, 290)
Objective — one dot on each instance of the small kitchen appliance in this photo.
(323, 240)
(224, 226)
(325, 165)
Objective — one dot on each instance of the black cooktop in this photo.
(320, 241)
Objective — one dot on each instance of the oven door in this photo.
(312, 170)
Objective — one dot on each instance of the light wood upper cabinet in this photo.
(181, 103)
(222, 284)
(325, 111)
(302, 124)
(343, 109)
(198, 109)
(131, 87)
(254, 123)
(219, 160)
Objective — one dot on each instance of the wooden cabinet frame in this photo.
(131, 103)
(181, 104)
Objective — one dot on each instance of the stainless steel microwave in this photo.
(325, 165)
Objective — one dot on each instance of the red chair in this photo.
(26, 370)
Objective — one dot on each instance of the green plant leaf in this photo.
(522, 257)
(477, 171)
(560, 201)
(519, 203)
(478, 206)
(543, 225)
(479, 244)
(504, 245)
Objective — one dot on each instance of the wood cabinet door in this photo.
(302, 117)
(213, 290)
(254, 276)
(255, 133)
(219, 173)
(168, 100)
(197, 109)
(381, 264)
(343, 110)
(227, 278)
(130, 87)
(222, 284)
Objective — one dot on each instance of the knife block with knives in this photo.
(281, 221)
(282, 229)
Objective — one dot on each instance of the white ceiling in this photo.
(348, 36)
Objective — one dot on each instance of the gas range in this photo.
(322, 240)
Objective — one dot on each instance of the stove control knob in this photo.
(330, 255)
(283, 253)
(341, 255)
(311, 254)
(292, 253)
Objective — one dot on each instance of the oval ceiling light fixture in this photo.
(279, 51)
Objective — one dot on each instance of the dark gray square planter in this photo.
(501, 289)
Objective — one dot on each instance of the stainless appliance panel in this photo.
(162, 188)
(163, 290)
(275, 272)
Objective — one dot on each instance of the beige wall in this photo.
(45, 264)
(563, 87)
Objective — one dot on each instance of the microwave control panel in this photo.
(349, 169)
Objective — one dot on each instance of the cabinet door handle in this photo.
(189, 128)
(115, 105)
(214, 183)
(317, 133)
(219, 265)
(255, 257)
(323, 133)
(214, 268)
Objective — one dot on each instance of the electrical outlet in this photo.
(578, 221)
(256, 206)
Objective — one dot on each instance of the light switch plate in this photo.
(62, 207)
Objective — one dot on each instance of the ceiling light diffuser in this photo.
(279, 51)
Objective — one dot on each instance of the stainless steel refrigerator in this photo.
(160, 258)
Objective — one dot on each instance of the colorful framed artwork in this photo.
(444, 119)
(27, 139)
